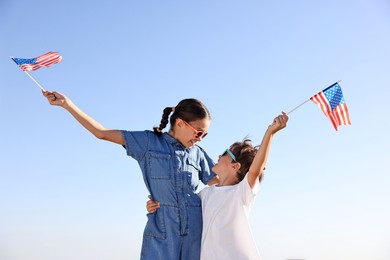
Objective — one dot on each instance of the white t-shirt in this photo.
(226, 231)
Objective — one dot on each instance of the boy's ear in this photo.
(237, 166)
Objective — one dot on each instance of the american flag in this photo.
(331, 102)
(45, 60)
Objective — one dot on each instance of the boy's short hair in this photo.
(244, 152)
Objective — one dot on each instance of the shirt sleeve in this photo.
(249, 194)
(204, 193)
(201, 193)
(136, 143)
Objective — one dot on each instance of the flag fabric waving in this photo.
(331, 102)
(45, 60)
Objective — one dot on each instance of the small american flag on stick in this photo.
(45, 60)
(331, 102)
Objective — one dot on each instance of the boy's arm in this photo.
(260, 160)
(85, 120)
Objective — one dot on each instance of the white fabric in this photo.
(226, 231)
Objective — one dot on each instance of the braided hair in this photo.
(189, 110)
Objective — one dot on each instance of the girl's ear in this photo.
(178, 122)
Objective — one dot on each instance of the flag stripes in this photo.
(331, 102)
(45, 60)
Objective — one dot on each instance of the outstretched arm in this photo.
(261, 157)
(58, 99)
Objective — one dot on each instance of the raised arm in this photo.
(58, 99)
(260, 160)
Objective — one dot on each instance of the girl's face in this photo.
(189, 133)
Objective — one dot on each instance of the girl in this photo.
(172, 167)
(226, 206)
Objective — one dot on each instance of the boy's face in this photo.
(224, 165)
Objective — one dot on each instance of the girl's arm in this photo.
(261, 157)
(85, 120)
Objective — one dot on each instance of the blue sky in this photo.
(66, 195)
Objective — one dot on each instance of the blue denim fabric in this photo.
(171, 174)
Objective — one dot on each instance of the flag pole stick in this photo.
(36, 82)
(31, 77)
(292, 110)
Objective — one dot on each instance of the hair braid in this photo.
(164, 121)
(188, 109)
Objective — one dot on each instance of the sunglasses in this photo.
(227, 151)
(198, 134)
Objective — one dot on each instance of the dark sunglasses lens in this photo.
(199, 134)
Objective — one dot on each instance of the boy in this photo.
(226, 206)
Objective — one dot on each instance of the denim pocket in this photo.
(159, 165)
(155, 227)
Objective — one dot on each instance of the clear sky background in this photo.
(65, 195)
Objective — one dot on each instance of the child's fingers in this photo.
(285, 117)
(49, 95)
(280, 122)
(152, 206)
(277, 121)
(152, 203)
(47, 92)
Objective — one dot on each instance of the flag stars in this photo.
(20, 61)
(334, 96)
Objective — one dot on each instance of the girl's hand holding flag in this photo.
(45, 60)
(54, 98)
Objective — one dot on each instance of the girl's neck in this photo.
(172, 133)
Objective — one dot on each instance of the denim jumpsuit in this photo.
(171, 174)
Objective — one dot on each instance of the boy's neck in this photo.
(227, 181)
